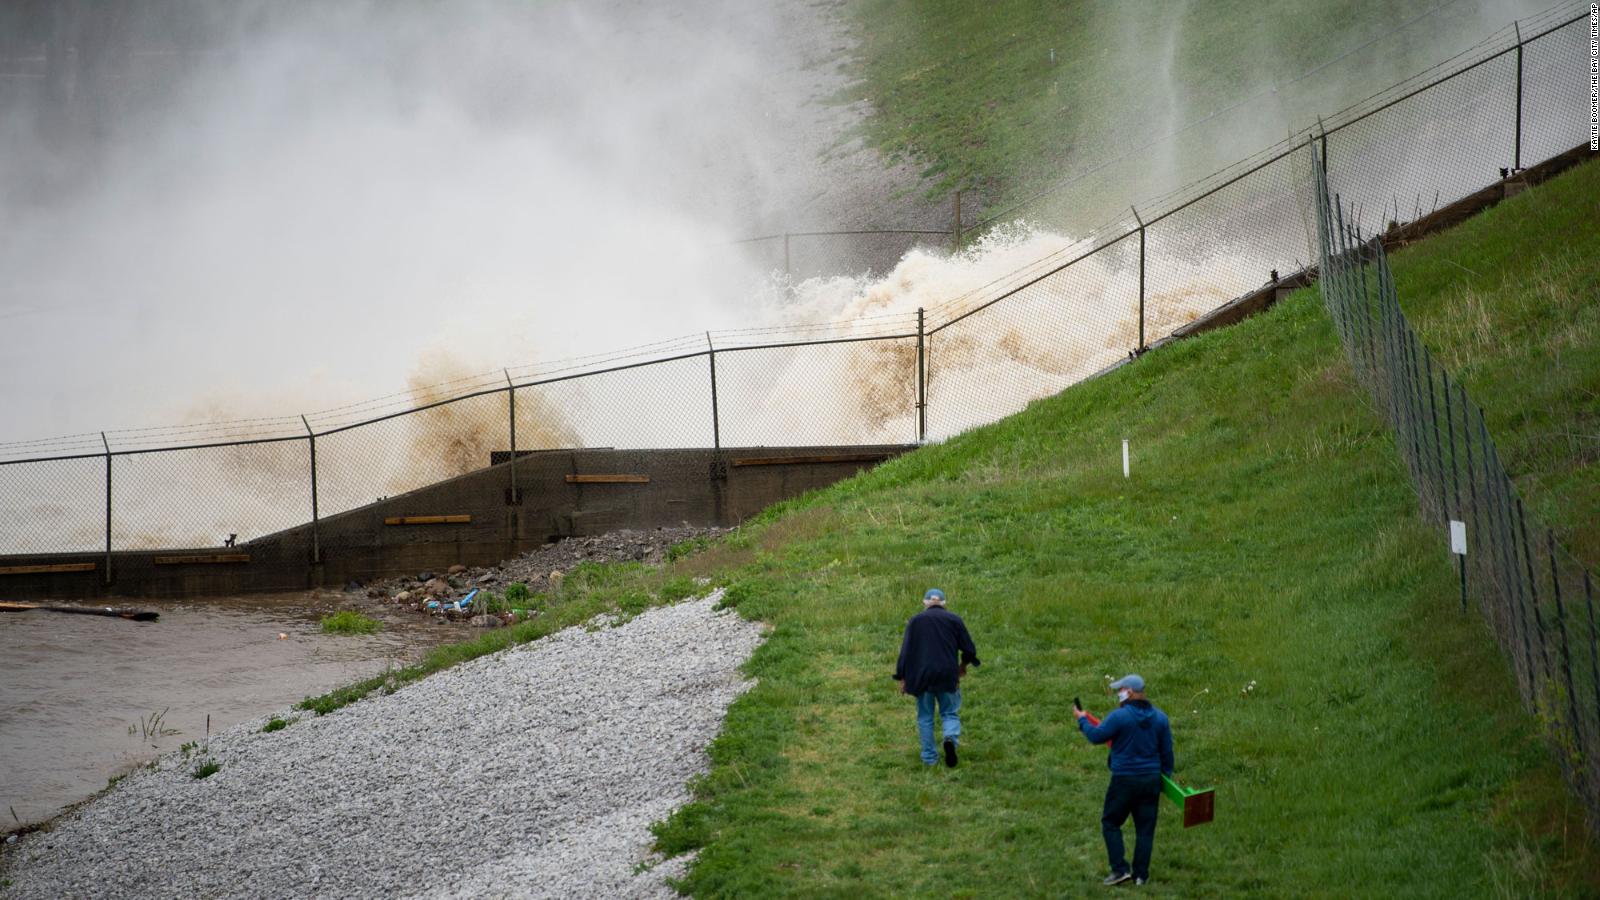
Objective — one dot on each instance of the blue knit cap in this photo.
(933, 595)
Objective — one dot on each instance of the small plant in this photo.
(491, 604)
(737, 593)
(678, 588)
(151, 726)
(274, 724)
(206, 769)
(188, 748)
(347, 621)
(517, 594)
(687, 548)
(633, 602)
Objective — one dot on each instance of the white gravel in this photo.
(535, 772)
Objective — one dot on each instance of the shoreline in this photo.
(162, 810)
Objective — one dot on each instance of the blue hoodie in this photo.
(1142, 736)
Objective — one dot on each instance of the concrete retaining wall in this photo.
(474, 519)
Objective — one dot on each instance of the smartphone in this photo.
(1076, 704)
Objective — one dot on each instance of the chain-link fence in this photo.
(895, 375)
(1537, 598)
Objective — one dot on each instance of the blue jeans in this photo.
(949, 712)
(1140, 796)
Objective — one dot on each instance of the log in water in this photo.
(115, 612)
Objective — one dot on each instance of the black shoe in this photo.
(1117, 878)
(949, 753)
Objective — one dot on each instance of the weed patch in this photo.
(349, 622)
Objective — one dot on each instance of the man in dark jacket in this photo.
(934, 654)
(1141, 752)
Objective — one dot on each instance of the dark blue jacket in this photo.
(1142, 736)
(928, 652)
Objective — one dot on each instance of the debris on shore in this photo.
(510, 592)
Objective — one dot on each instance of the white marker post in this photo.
(1124, 457)
(1458, 546)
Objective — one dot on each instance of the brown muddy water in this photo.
(77, 693)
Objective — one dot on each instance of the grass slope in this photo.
(1267, 537)
(1010, 95)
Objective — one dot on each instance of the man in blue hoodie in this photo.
(1141, 752)
(934, 655)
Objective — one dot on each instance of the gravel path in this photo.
(534, 772)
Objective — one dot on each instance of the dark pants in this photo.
(1139, 795)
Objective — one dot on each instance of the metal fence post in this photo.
(1141, 347)
(922, 379)
(1594, 650)
(711, 353)
(1367, 329)
(1533, 590)
(1561, 621)
(316, 525)
(1455, 478)
(955, 228)
(1438, 452)
(1516, 159)
(1413, 406)
(1513, 583)
(1334, 282)
(1472, 482)
(1324, 141)
(107, 444)
(512, 499)
(1391, 354)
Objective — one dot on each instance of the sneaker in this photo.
(1141, 880)
(1117, 878)
(949, 753)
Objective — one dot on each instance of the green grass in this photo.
(969, 92)
(274, 724)
(1268, 535)
(206, 769)
(347, 621)
(1510, 303)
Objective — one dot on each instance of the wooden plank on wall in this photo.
(48, 568)
(608, 479)
(202, 558)
(804, 460)
(428, 520)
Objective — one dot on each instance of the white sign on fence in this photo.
(1458, 537)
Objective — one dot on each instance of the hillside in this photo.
(1264, 568)
(1009, 97)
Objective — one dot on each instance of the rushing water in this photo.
(77, 693)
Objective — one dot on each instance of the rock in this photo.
(484, 622)
(375, 593)
(426, 577)
(436, 588)
(456, 569)
(487, 578)
(402, 597)
(556, 580)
